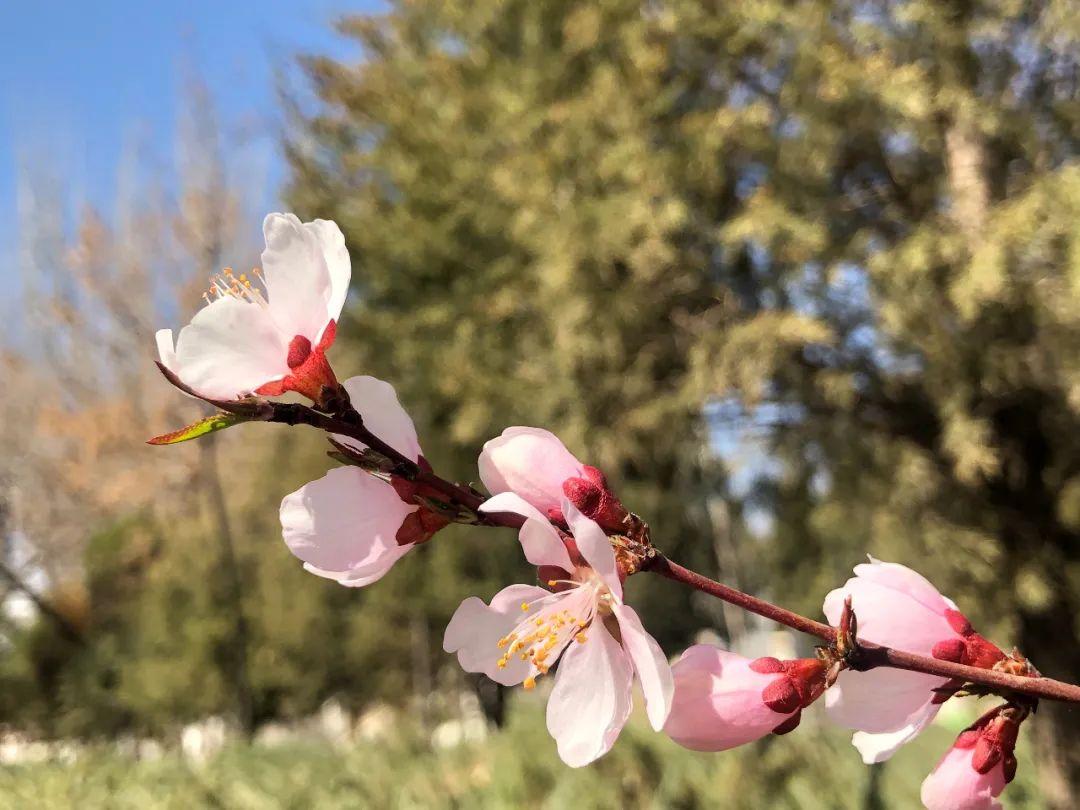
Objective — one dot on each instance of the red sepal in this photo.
(970, 649)
(591, 495)
(420, 526)
(311, 370)
(801, 681)
(790, 724)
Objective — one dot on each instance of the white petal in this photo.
(881, 700)
(377, 403)
(475, 629)
(539, 539)
(591, 700)
(166, 348)
(594, 547)
(650, 663)
(332, 242)
(345, 521)
(367, 573)
(876, 748)
(230, 348)
(297, 277)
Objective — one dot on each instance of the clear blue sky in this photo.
(78, 79)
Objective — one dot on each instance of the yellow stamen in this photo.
(529, 683)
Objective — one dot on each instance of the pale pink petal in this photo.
(345, 521)
(365, 573)
(718, 701)
(955, 785)
(650, 663)
(338, 264)
(230, 348)
(887, 616)
(475, 630)
(876, 748)
(897, 607)
(591, 700)
(881, 700)
(539, 539)
(529, 461)
(298, 280)
(903, 580)
(594, 546)
(377, 403)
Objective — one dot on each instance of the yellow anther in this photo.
(525, 606)
(552, 583)
(539, 622)
(580, 638)
(529, 683)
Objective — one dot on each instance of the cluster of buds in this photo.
(356, 522)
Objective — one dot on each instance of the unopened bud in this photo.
(590, 494)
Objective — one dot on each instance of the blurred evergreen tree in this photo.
(855, 219)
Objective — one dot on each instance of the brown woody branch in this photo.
(870, 656)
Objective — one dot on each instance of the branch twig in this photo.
(870, 655)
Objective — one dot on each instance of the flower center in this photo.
(226, 283)
(550, 624)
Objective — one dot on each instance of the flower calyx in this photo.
(968, 647)
(803, 681)
(993, 738)
(591, 494)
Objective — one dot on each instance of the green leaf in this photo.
(211, 424)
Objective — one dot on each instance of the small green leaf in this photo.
(211, 424)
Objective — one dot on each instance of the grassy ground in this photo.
(515, 768)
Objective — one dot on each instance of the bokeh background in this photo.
(802, 277)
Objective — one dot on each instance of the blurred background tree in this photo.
(845, 231)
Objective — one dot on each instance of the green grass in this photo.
(814, 767)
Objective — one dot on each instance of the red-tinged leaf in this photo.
(204, 427)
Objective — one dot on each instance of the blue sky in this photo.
(78, 80)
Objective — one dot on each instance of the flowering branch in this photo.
(263, 337)
(869, 656)
(341, 418)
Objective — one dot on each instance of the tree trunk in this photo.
(232, 601)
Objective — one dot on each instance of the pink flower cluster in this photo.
(268, 334)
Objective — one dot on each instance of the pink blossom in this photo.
(723, 700)
(978, 766)
(534, 464)
(583, 623)
(899, 608)
(350, 525)
(269, 333)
